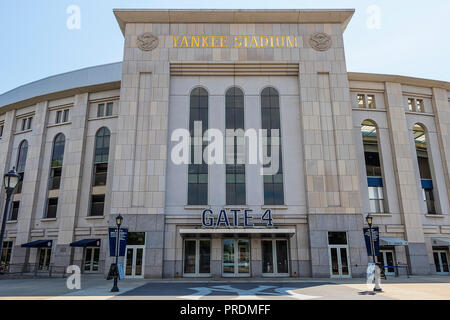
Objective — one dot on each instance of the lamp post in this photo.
(369, 220)
(10, 181)
(119, 220)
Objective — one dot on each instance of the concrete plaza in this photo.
(94, 287)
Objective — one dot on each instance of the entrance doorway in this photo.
(236, 258)
(275, 258)
(386, 257)
(338, 255)
(441, 261)
(134, 260)
(197, 258)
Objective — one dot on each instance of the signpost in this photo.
(376, 240)
(112, 241)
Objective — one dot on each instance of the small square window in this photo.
(1, 131)
(52, 206)
(97, 205)
(101, 110)
(30, 121)
(14, 211)
(420, 106)
(361, 101)
(24, 124)
(66, 115)
(109, 109)
(371, 101)
(58, 116)
(411, 105)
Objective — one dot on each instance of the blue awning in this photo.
(86, 243)
(374, 181)
(38, 244)
(427, 183)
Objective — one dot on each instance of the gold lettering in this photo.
(288, 42)
(254, 41)
(238, 42)
(194, 39)
(263, 45)
(175, 40)
(223, 42)
(205, 42)
(295, 41)
(271, 41)
(278, 43)
(245, 41)
(184, 41)
(213, 42)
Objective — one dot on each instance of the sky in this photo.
(40, 38)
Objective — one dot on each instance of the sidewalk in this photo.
(95, 287)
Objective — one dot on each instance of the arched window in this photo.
(270, 115)
(235, 165)
(420, 141)
(373, 166)
(198, 169)
(21, 162)
(101, 157)
(55, 174)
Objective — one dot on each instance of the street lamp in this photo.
(119, 220)
(10, 181)
(369, 220)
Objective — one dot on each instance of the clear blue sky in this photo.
(412, 38)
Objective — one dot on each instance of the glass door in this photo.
(91, 258)
(387, 259)
(275, 257)
(44, 258)
(197, 258)
(441, 261)
(339, 261)
(134, 262)
(236, 258)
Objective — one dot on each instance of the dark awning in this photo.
(38, 244)
(86, 243)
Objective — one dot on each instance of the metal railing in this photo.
(32, 270)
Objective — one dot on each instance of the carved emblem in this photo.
(320, 41)
(147, 41)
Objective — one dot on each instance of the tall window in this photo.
(21, 161)
(235, 167)
(101, 154)
(373, 166)
(198, 169)
(55, 173)
(420, 141)
(270, 114)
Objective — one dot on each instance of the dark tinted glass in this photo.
(58, 151)
(102, 145)
(337, 238)
(198, 173)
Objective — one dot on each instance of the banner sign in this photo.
(121, 274)
(112, 241)
(376, 240)
(235, 218)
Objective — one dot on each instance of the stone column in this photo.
(406, 179)
(6, 145)
(331, 170)
(441, 111)
(71, 181)
(30, 188)
(139, 182)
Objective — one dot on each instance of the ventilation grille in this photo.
(233, 69)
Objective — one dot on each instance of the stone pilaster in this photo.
(71, 181)
(30, 189)
(406, 179)
(332, 179)
(441, 110)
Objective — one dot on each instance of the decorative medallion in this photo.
(320, 41)
(147, 41)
